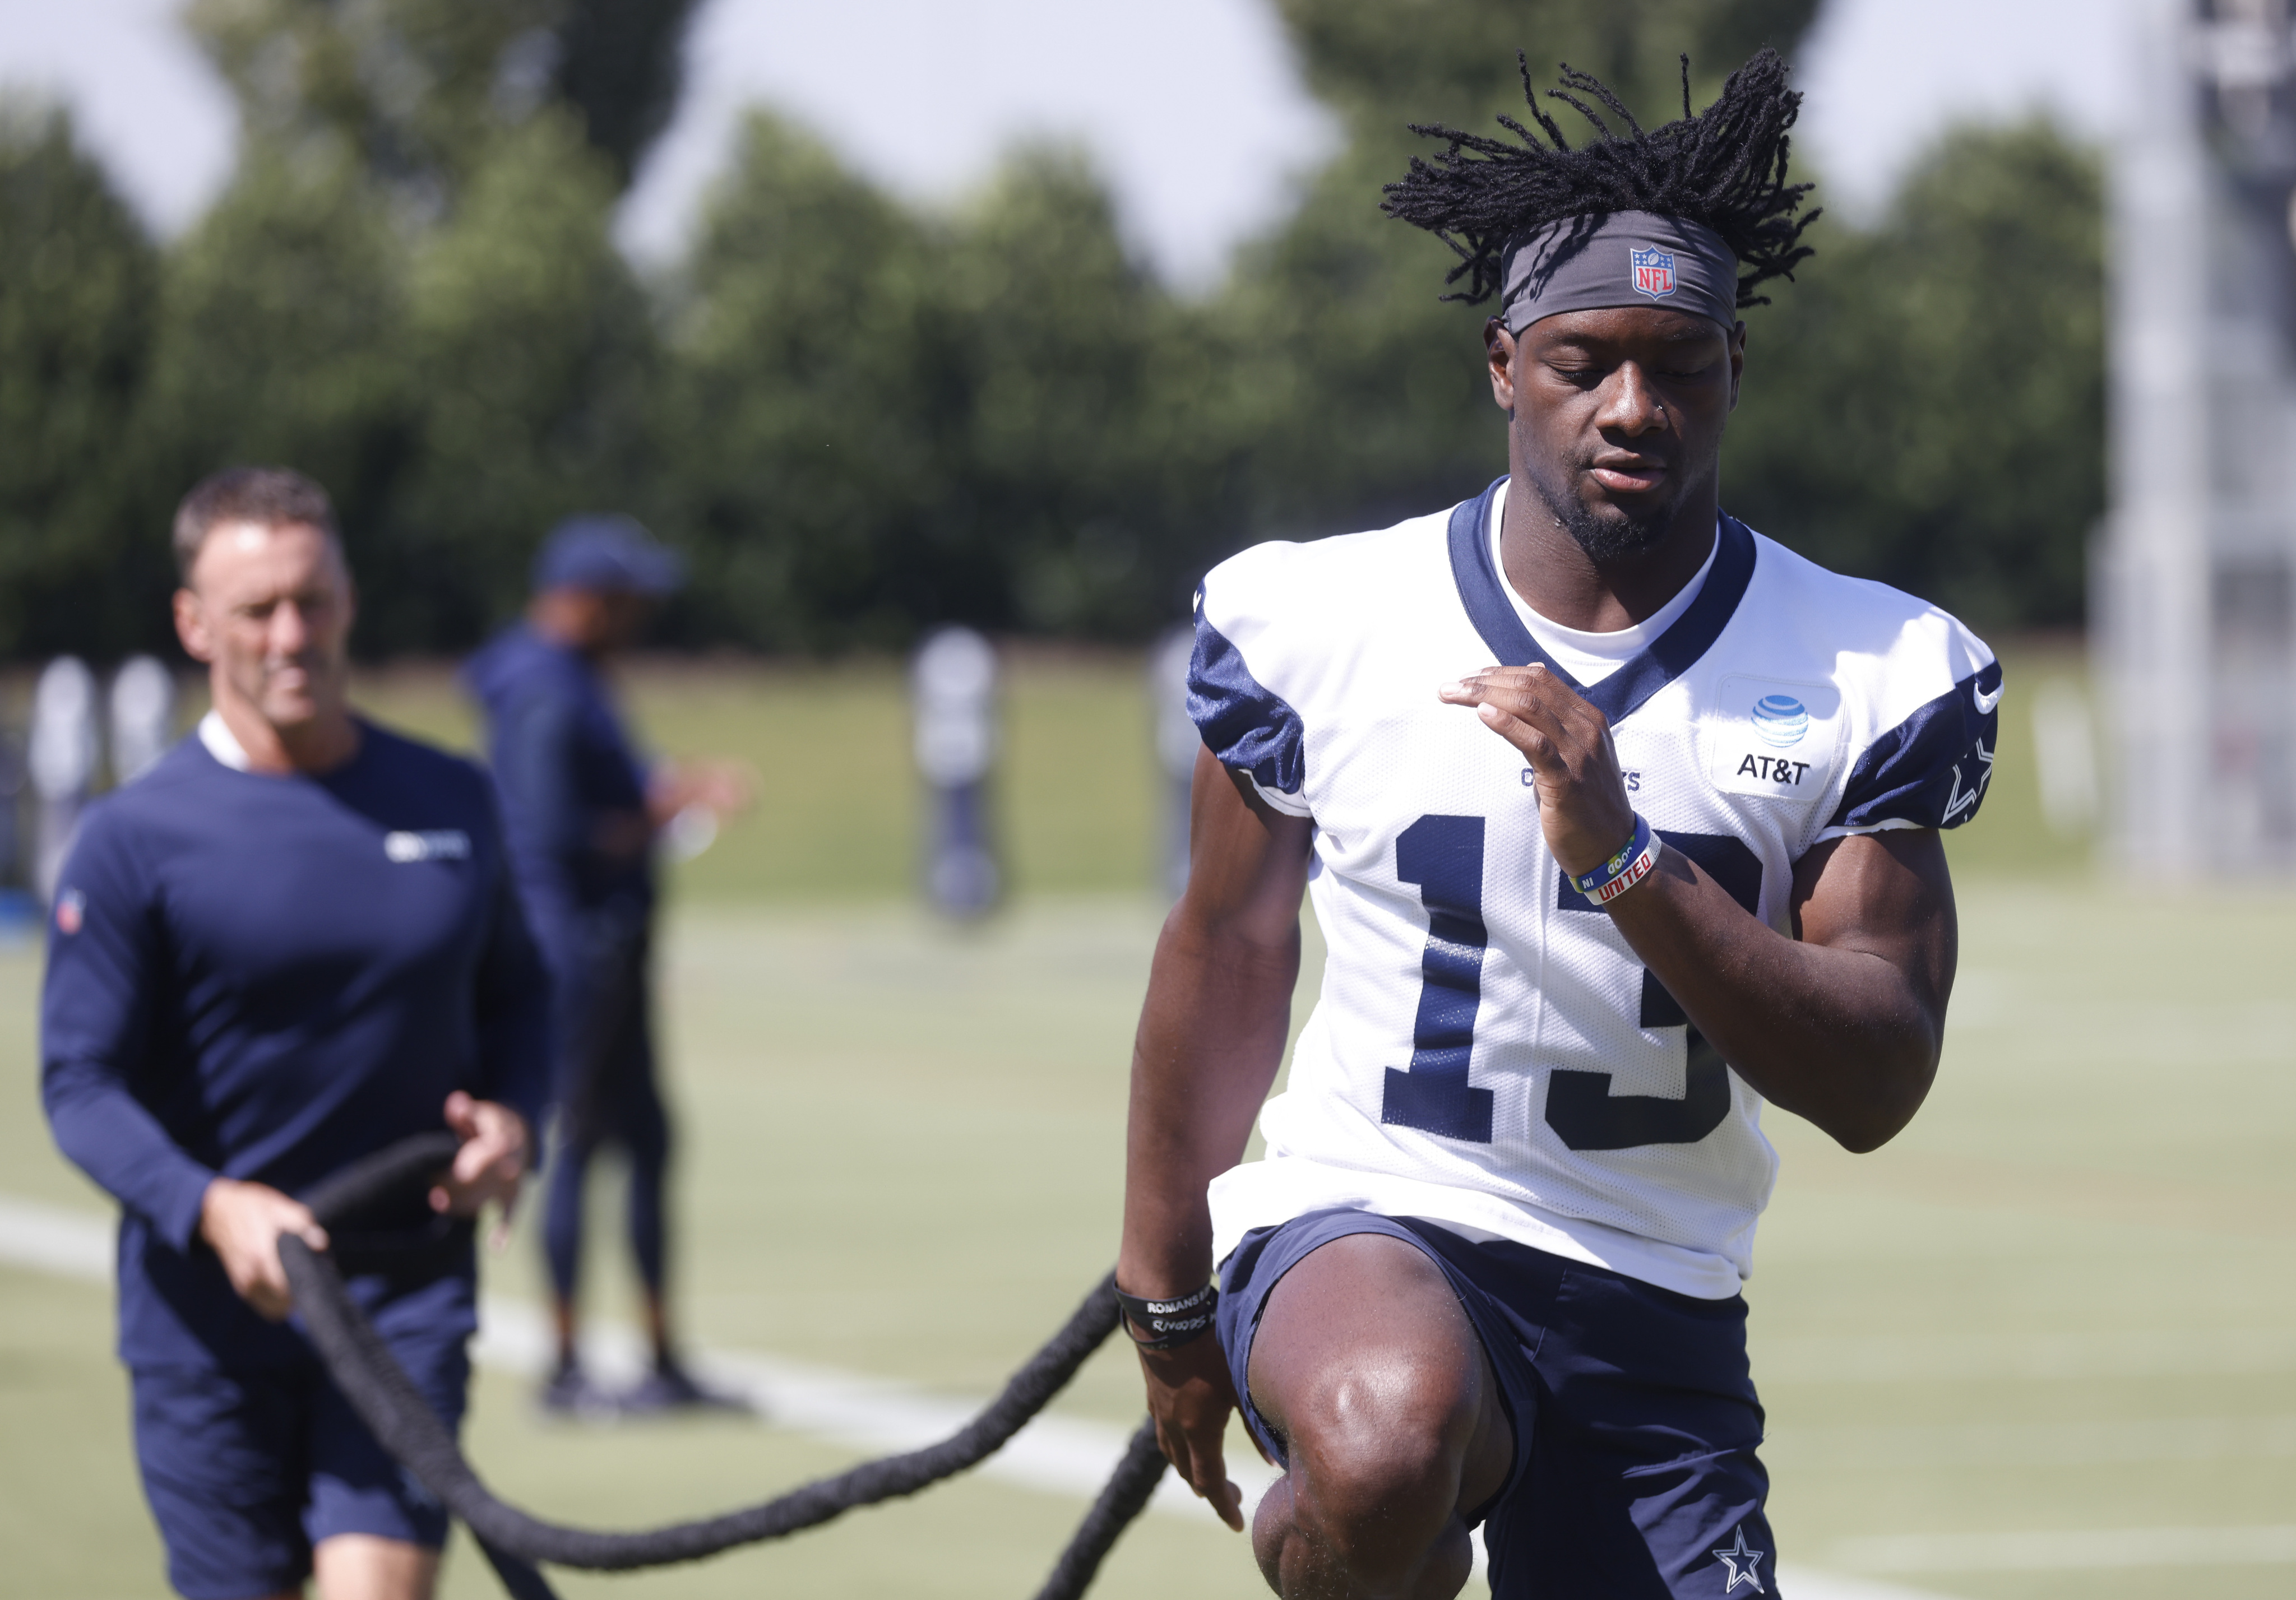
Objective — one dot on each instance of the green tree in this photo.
(282, 339)
(1927, 406)
(531, 350)
(813, 393)
(1085, 456)
(420, 88)
(77, 568)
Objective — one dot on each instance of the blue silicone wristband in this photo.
(1621, 871)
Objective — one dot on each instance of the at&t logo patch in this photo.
(1774, 739)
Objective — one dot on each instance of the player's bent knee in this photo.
(1377, 1451)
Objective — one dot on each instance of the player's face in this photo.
(1618, 415)
(270, 607)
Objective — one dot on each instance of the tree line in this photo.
(860, 417)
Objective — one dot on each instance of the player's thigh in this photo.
(1367, 1368)
(222, 1459)
(360, 1566)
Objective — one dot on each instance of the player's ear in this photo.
(192, 626)
(1499, 350)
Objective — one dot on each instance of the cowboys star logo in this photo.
(1744, 1564)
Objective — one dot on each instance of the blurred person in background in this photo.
(585, 815)
(292, 942)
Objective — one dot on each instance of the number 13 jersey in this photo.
(1487, 1052)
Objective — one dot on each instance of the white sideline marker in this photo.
(1054, 1455)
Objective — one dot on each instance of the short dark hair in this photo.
(267, 496)
(1724, 167)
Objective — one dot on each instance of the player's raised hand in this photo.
(242, 1223)
(492, 1159)
(1190, 1395)
(1582, 796)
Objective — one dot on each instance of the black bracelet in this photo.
(1163, 1324)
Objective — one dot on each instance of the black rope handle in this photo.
(387, 1400)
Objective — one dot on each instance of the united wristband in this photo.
(1622, 871)
(1163, 1324)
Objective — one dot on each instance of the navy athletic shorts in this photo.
(245, 1470)
(1636, 1423)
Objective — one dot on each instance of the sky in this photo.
(1202, 134)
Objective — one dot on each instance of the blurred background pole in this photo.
(63, 760)
(1177, 744)
(952, 684)
(143, 717)
(2194, 586)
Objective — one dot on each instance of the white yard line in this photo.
(1055, 1455)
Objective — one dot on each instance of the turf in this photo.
(2064, 1301)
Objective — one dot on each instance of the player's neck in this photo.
(326, 741)
(1560, 581)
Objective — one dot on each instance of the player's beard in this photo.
(1603, 538)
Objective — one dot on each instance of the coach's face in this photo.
(269, 608)
(1617, 416)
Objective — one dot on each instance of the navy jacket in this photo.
(561, 760)
(266, 978)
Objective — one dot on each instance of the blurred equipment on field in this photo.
(1177, 744)
(2196, 584)
(63, 762)
(2064, 756)
(143, 717)
(952, 685)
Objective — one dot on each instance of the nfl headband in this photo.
(1620, 258)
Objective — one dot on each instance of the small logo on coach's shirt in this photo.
(438, 845)
(71, 908)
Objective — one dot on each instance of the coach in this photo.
(290, 943)
(583, 813)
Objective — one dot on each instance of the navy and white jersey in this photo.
(266, 977)
(1487, 1051)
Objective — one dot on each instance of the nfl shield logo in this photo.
(1653, 272)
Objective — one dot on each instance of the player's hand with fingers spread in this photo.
(491, 1162)
(1190, 1395)
(241, 1223)
(1582, 796)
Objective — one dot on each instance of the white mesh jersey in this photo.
(1487, 1052)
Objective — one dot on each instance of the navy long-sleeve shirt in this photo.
(562, 763)
(266, 978)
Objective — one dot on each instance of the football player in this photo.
(1620, 822)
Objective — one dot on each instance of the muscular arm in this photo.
(1842, 1024)
(1211, 1036)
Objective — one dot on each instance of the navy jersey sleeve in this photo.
(105, 975)
(1249, 727)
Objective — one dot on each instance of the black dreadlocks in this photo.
(1724, 168)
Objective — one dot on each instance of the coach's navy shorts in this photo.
(246, 1471)
(1636, 1423)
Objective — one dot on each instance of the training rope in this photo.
(388, 1401)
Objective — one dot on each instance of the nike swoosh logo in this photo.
(1986, 702)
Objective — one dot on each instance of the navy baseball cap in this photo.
(610, 554)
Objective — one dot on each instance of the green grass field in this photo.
(2062, 1305)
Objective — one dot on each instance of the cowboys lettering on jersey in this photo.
(1487, 1052)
